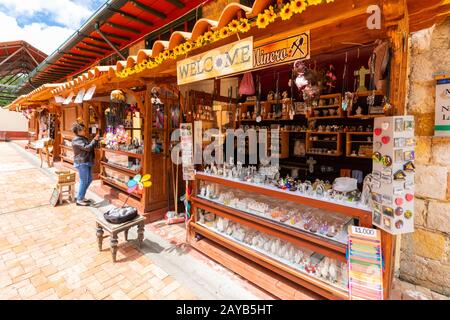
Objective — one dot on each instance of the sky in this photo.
(45, 24)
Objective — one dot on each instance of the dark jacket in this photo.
(83, 150)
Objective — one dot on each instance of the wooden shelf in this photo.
(66, 147)
(325, 118)
(124, 153)
(325, 154)
(360, 157)
(120, 168)
(67, 159)
(303, 279)
(366, 116)
(326, 247)
(327, 107)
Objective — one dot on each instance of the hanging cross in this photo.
(311, 162)
(362, 73)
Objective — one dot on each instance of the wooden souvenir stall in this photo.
(241, 217)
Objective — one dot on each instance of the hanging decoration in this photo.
(261, 21)
(137, 184)
(158, 107)
(115, 115)
(27, 113)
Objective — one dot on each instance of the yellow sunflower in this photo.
(298, 6)
(166, 54)
(286, 12)
(244, 26)
(224, 32)
(270, 14)
(314, 2)
(199, 41)
(216, 35)
(209, 36)
(233, 26)
(188, 46)
(262, 21)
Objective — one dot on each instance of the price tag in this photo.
(366, 232)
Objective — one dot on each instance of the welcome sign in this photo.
(232, 58)
(442, 118)
(296, 47)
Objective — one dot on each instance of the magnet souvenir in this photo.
(409, 125)
(408, 214)
(387, 171)
(398, 190)
(376, 217)
(377, 206)
(386, 161)
(409, 197)
(399, 224)
(399, 175)
(377, 131)
(408, 155)
(410, 142)
(399, 201)
(376, 184)
(399, 142)
(398, 211)
(409, 185)
(385, 126)
(409, 166)
(386, 179)
(387, 199)
(376, 175)
(388, 211)
(399, 126)
(399, 157)
(377, 157)
(376, 197)
(385, 139)
(387, 222)
(377, 145)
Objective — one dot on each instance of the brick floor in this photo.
(51, 253)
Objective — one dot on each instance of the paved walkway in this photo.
(52, 253)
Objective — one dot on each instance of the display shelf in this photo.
(322, 146)
(67, 159)
(117, 185)
(287, 271)
(120, 168)
(335, 247)
(355, 145)
(125, 153)
(325, 118)
(350, 209)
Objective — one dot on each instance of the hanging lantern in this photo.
(117, 96)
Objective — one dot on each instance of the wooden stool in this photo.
(115, 229)
(66, 194)
(66, 179)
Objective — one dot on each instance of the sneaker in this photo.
(83, 203)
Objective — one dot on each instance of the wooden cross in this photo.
(311, 162)
(362, 73)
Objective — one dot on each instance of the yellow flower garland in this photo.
(242, 26)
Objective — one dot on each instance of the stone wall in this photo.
(425, 254)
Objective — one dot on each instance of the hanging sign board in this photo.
(229, 59)
(442, 118)
(277, 52)
(365, 264)
(80, 95)
(90, 93)
(187, 151)
(59, 99)
(69, 98)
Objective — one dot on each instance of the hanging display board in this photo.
(80, 95)
(365, 264)
(89, 93)
(442, 117)
(69, 99)
(273, 53)
(393, 174)
(229, 59)
(187, 151)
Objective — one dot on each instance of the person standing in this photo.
(83, 160)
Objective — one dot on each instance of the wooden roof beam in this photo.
(122, 27)
(100, 40)
(113, 35)
(148, 9)
(176, 3)
(100, 53)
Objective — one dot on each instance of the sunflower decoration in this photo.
(270, 14)
(224, 32)
(244, 26)
(286, 12)
(209, 36)
(166, 54)
(199, 41)
(233, 26)
(176, 51)
(188, 46)
(316, 2)
(262, 21)
(298, 6)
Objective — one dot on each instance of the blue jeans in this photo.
(85, 172)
